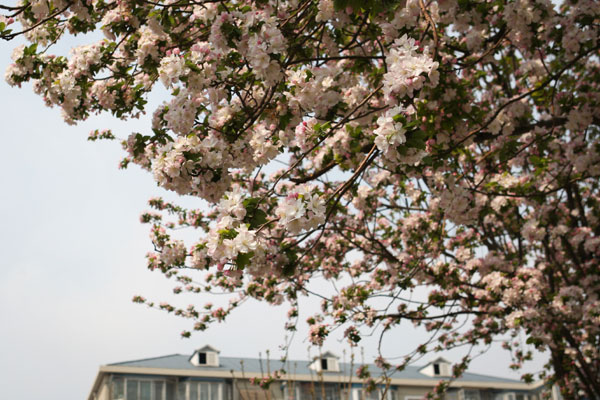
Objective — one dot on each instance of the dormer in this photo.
(438, 367)
(206, 356)
(326, 362)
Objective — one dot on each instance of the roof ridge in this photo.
(259, 359)
(371, 364)
(492, 376)
(146, 359)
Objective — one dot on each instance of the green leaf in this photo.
(30, 50)
(251, 202)
(192, 66)
(228, 233)
(284, 120)
(309, 75)
(290, 267)
(427, 160)
(258, 218)
(400, 118)
(255, 217)
(243, 259)
(340, 4)
(416, 139)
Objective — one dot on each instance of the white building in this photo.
(205, 375)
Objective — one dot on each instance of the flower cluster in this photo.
(406, 69)
(301, 210)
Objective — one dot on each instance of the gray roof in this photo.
(208, 347)
(293, 367)
(326, 354)
(437, 360)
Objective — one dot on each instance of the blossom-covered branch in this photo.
(382, 145)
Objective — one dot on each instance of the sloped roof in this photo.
(208, 348)
(293, 367)
(438, 360)
(327, 354)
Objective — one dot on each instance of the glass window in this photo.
(214, 391)
(202, 358)
(193, 391)
(171, 391)
(471, 394)
(118, 389)
(322, 391)
(451, 395)
(145, 390)
(158, 390)
(364, 395)
(132, 389)
(203, 391)
(181, 390)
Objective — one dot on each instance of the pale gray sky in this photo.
(73, 257)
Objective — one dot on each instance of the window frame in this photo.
(139, 380)
(462, 393)
(356, 394)
(210, 384)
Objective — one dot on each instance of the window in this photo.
(505, 396)
(469, 394)
(436, 369)
(118, 389)
(203, 391)
(360, 394)
(214, 391)
(317, 391)
(141, 389)
(201, 358)
(181, 386)
(132, 389)
(324, 364)
(453, 395)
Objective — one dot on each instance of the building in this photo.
(205, 375)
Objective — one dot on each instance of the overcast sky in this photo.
(73, 257)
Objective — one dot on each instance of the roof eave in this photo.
(329, 377)
(96, 384)
(208, 347)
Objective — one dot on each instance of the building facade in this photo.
(205, 375)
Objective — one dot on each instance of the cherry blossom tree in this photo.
(382, 145)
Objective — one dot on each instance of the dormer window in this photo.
(324, 364)
(438, 367)
(206, 356)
